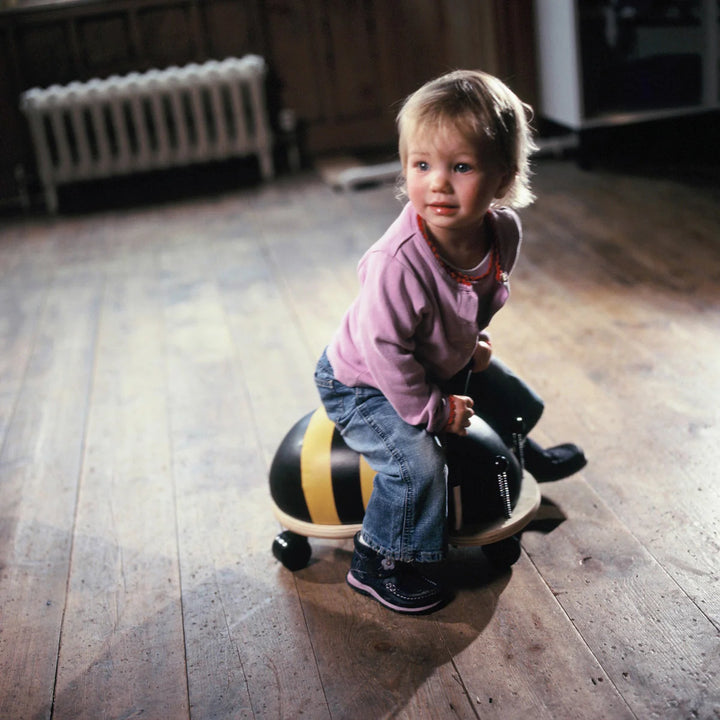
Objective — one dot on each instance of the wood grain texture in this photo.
(39, 472)
(152, 359)
(342, 68)
(121, 645)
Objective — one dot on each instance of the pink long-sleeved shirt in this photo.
(412, 324)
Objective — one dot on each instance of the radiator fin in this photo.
(144, 121)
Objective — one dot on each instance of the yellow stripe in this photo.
(367, 476)
(315, 469)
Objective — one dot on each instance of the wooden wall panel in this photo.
(166, 36)
(44, 57)
(106, 43)
(14, 139)
(244, 22)
(299, 62)
(515, 46)
(422, 33)
(355, 82)
(342, 67)
(471, 39)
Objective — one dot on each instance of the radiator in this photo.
(147, 121)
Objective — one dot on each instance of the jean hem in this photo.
(423, 556)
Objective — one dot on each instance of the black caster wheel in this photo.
(292, 550)
(504, 553)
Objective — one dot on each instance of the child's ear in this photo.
(505, 183)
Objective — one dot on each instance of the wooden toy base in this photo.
(292, 549)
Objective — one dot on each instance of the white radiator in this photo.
(151, 120)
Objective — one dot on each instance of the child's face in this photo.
(452, 182)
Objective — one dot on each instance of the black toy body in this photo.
(320, 488)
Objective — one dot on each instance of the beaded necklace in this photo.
(458, 275)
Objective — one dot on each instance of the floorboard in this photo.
(40, 466)
(151, 361)
(122, 638)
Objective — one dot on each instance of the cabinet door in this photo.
(344, 67)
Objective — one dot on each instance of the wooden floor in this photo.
(151, 361)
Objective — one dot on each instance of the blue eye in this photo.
(463, 167)
(422, 165)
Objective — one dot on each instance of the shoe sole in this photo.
(363, 589)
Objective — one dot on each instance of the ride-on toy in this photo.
(320, 488)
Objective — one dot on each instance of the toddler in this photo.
(394, 378)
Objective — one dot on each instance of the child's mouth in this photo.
(443, 209)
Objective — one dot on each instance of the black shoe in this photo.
(552, 463)
(397, 585)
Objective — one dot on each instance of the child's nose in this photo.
(440, 181)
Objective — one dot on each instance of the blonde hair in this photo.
(479, 106)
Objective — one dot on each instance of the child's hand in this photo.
(482, 355)
(460, 413)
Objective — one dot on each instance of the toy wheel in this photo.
(504, 553)
(292, 550)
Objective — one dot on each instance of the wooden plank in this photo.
(504, 640)
(617, 331)
(247, 651)
(621, 374)
(122, 652)
(25, 273)
(492, 649)
(23, 292)
(388, 665)
(39, 471)
(355, 88)
(309, 237)
(294, 46)
(656, 646)
(263, 318)
(661, 368)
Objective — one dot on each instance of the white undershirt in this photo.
(479, 269)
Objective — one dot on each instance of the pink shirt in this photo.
(412, 324)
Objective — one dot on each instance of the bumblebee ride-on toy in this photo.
(320, 488)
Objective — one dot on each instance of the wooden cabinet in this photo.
(344, 67)
(341, 66)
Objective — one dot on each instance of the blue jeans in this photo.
(406, 516)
